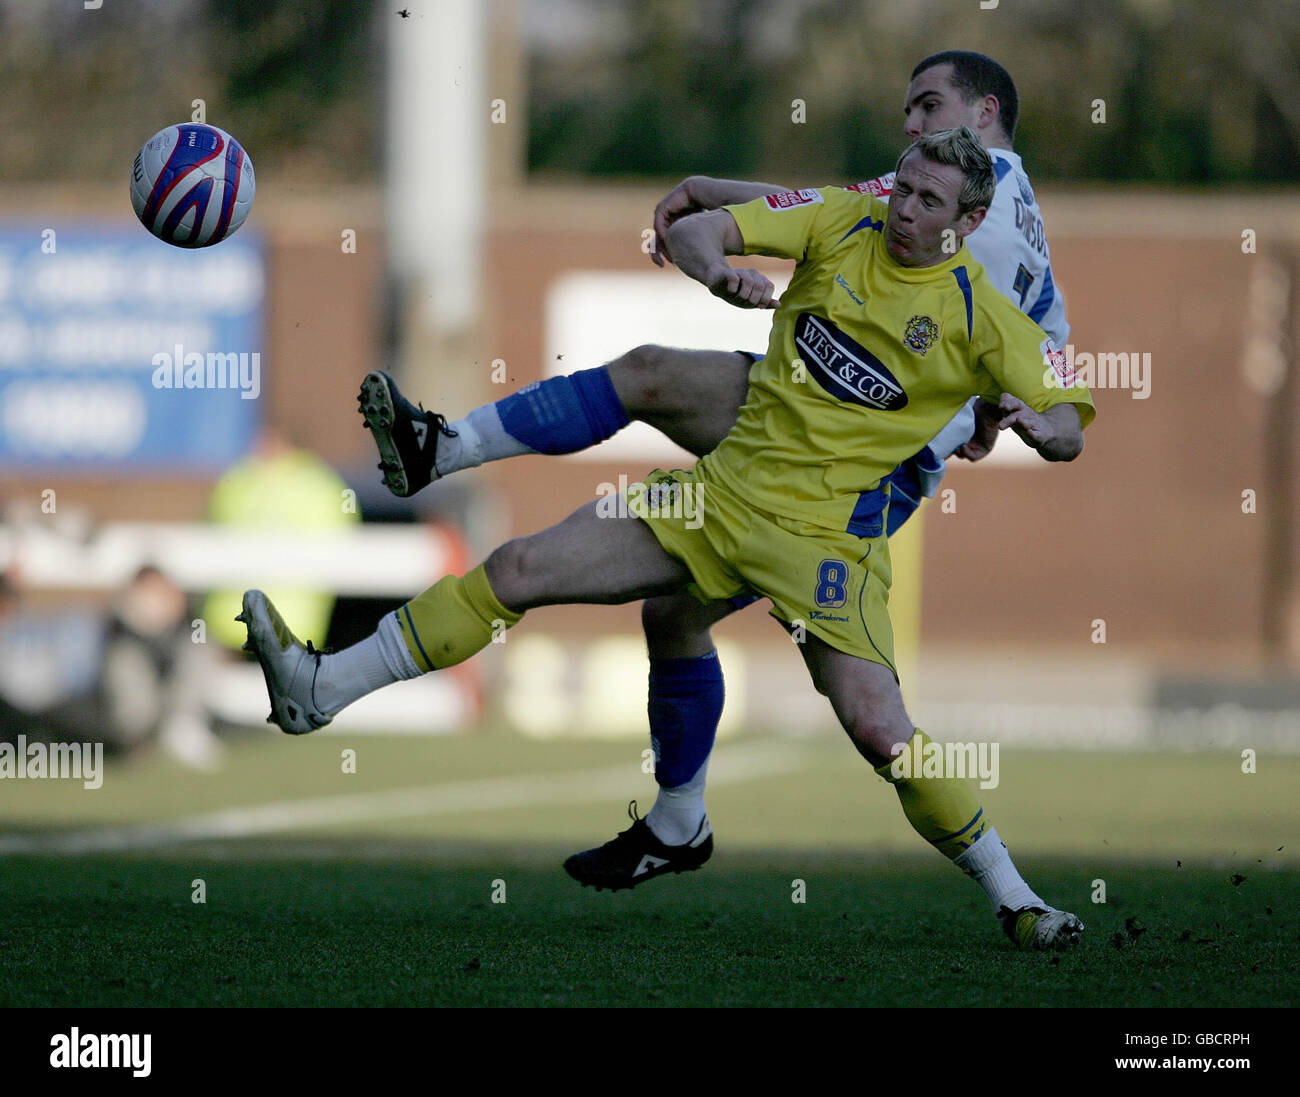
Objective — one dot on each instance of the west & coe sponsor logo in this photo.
(844, 368)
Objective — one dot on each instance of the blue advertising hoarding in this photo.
(120, 353)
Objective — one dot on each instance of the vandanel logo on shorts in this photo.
(844, 368)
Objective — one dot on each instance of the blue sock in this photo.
(564, 414)
(685, 706)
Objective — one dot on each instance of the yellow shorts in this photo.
(834, 585)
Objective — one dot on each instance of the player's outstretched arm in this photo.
(1057, 433)
(701, 244)
(697, 193)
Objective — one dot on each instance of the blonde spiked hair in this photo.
(961, 149)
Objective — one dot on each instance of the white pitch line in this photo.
(731, 765)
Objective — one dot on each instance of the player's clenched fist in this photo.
(988, 418)
(701, 244)
(745, 288)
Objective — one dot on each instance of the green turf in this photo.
(280, 932)
(1193, 807)
(388, 911)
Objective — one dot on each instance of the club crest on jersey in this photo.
(920, 334)
(789, 199)
(844, 368)
(1059, 366)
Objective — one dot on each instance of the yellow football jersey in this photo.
(868, 359)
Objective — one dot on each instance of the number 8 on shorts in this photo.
(831, 577)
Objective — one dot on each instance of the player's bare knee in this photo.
(665, 623)
(879, 736)
(642, 379)
(514, 573)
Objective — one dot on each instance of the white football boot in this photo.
(289, 668)
(1039, 929)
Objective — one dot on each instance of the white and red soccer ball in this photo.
(192, 185)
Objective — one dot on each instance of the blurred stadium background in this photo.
(457, 191)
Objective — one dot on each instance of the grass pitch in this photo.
(324, 897)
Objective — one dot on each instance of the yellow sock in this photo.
(945, 811)
(452, 620)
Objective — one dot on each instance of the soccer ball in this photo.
(192, 185)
